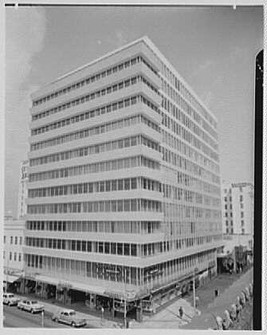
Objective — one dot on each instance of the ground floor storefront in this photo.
(114, 304)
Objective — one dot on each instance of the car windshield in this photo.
(34, 302)
(72, 313)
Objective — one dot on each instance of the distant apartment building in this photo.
(238, 208)
(12, 250)
(22, 195)
(124, 198)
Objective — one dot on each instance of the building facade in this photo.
(13, 251)
(238, 208)
(23, 193)
(124, 198)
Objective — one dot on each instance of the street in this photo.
(15, 318)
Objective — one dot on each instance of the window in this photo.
(4, 238)
(10, 256)
(241, 197)
(120, 249)
(16, 240)
(127, 184)
(133, 183)
(120, 184)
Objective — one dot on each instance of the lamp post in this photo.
(194, 288)
(42, 319)
(125, 299)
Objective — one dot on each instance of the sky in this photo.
(213, 49)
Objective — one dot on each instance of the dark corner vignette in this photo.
(257, 308)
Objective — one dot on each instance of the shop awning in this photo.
(46, 279)
(70, 284)
(10, 278)
(87, 288)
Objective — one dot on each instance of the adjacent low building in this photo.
(13, 253)
(23, 191)
(238, 208)
(124, 198)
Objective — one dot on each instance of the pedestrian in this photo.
(197, 302)
(102, 312)
(181, 312)
(217, 292)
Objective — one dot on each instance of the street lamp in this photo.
(194, 288)
(124, 279)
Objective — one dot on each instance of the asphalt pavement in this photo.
(15, 318)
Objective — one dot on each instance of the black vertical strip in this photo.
(257, 290)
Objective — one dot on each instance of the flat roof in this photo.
(155, 50)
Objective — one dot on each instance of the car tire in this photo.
(73, 324)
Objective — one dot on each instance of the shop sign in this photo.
(63, 284)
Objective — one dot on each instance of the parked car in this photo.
(69, 317)
(10, 299)
(31, 306)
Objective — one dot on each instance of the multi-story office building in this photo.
(22, 196)
(124, 183)
(238, 208)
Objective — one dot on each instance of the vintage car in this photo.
(31, 306)
(69, 317)
(10, 299)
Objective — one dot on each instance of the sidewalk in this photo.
(167, 318)
(226, 298)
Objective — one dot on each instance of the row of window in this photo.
(181, 228)
(126, 184)
(110, 165)
(115, 248)
(186, 135)
(13, 257)
(181, 117)
(125, 205)
(97, 94)
(168, 74)
(186, 150)
(176, 210)
(125, 249)
(176, 193)
(187, 165)
(122, 227)
(93, 79)
(190, 111)
(118, 273)
(92, 96)
(14, 240)
(92, 131)
(96, 149)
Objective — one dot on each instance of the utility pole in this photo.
(42, 319)
(125, 298)
(194, 290)
(125, 309)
